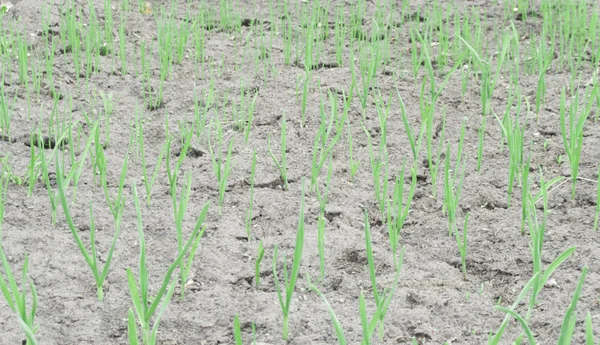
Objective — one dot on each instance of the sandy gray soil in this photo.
(432, 303)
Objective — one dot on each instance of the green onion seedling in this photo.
(573, 142)
(259, 257)
(237, 330)
(305, 90)
(369, 327)
(544, 61)
(179, 209)
(537, 230)
(322, 147)
(45, 171)
(597, 213)
(281, 164)
(339, 331)
(589, 330)
(495, 339)
(569, 320)
(568, 325)
(398, 209)
(16, 298)
(380, 297)
(148, 179)
(144, 306)
(452, 190)
(488, 84)
(221, 167)
(522, 322)
(414, 145)
(353, 162)
(378, 164)
(250, 210)
(290, 280)
(514, 133)
(462, 246)
(4, 180)
(91, 258)
(525, 190)
(321, 221)
(249, 118)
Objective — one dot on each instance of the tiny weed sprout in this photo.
(145, 307)
(573, 141)
(285, 292)
(259, 257)
(100, 273)
(17, 299)
(281, 164)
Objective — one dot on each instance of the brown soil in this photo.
(432, 303)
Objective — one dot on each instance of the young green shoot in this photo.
(179, 209)
(144, 305)
(250, 210)
(452, 190)
(462, 246)
(596, 216)
(353, 162)
(322, 146)
(379, 167)
(148, 179)
(237, 330)
(221, 167)
(514, 132)
(397, 210)
(259, 257)
(488, 83)
(574, 139)
(100, 272)
(537, 231)
(321, 222)
(368, 326)
(17, 299)
(285, 292)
